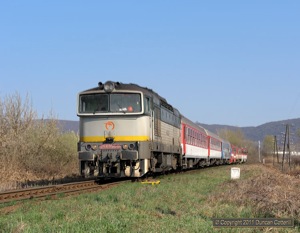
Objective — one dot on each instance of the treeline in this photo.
(32, 148)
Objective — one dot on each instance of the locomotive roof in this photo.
(126, 86)
(129, 86)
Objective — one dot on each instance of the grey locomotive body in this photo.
(127, 131)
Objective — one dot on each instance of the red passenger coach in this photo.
(194, 142)
(238, 155)
(215, 146)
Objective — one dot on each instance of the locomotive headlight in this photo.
(131, 146)
(88, 147)
(94, 147)
(109, 86)
(125, 147)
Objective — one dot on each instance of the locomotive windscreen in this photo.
(112, 103)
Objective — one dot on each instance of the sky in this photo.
(218, 62)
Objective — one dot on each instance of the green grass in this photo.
(180, 203)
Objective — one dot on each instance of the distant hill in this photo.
(257, 133)
(65, 125)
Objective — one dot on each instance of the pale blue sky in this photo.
(218, 62)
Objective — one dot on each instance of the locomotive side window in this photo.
(147, 105)
(169, 115)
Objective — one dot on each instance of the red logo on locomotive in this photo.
(109, 125)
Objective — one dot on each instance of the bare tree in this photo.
(268, 145)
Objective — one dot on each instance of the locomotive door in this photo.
(150, 112)
(152, 125)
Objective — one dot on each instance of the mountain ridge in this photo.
(258, 133)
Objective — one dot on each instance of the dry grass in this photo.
(291, 168)
(271, 193)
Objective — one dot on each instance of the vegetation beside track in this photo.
(32, 148)
(180, 203)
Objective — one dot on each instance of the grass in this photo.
(180, 203)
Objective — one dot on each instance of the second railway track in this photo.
(53, 190)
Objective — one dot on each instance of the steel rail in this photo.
(52, 190)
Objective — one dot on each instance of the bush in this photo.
(32, 148)
(50, 152)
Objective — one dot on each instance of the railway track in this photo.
(54, 190)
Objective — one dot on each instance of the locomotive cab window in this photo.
(93, 103)
(110, 103)
(125, 102)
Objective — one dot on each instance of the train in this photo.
(126, 130)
